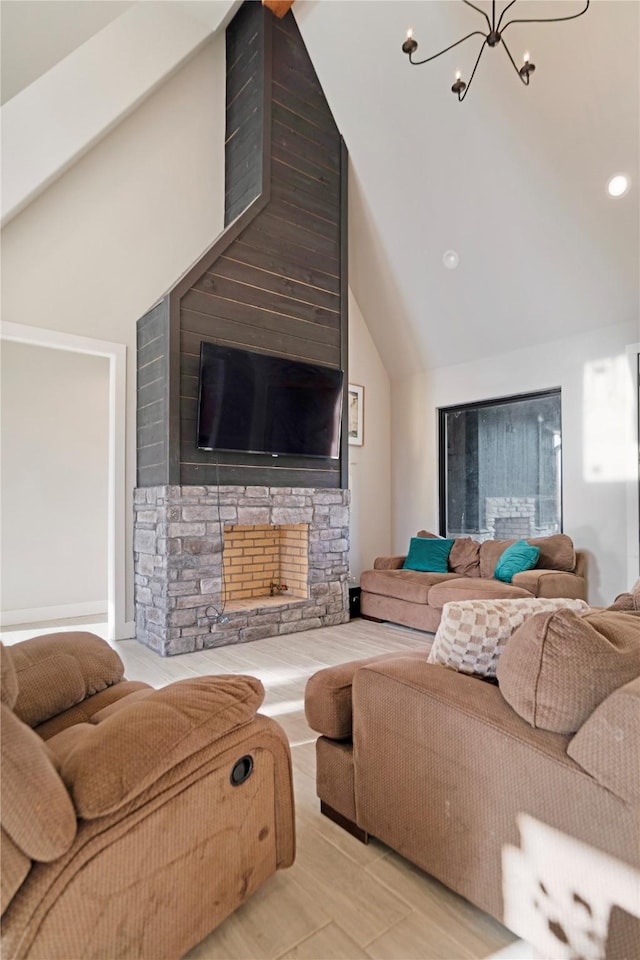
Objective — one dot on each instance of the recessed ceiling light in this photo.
(450, 259)
(618, 185)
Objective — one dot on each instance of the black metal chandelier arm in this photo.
(417, 63)
(468, 87)
(574, 16)
(469, 4)
(503, 13)
(525, 77)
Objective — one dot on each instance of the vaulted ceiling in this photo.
(513, 178)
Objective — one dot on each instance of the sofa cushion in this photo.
(556, 553)
(411, 585)
(517, 558)
(558, 667)
(428, 554)
(473, 633)
(86, 710)
(473, 588)
(608, 739)
(551, 583)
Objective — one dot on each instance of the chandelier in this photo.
(492, 38)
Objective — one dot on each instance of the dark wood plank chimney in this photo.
(274, 281)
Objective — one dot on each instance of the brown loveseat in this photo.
(439, 766)
(416, 599)
(133, 820)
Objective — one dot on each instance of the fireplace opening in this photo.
(266, 560)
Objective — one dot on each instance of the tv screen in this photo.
(255, 403)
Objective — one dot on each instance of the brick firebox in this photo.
(263, 560)
(179, 538)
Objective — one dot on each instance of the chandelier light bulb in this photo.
(459, 86)
(618, 185)
(527, 68)
(410, 45)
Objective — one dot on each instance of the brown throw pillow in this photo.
(556, 553)
(558, 667)
(465, 557)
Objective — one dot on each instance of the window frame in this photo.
(475, 405)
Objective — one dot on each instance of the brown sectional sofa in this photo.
(415, 599)
(439, 766)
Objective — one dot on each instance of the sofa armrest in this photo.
(607, 743)
(108, 764)
(551, 583)
(327, 697)
(388, 563)
(55, 671)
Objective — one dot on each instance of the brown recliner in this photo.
(133, 820)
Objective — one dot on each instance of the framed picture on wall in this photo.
(356, 415)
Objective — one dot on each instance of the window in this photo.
(501, 468)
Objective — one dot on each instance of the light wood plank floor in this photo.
(341, 900)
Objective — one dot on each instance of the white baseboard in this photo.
(65, 611)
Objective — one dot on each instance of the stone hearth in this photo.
(178, 549)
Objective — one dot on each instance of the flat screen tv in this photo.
(256, 403)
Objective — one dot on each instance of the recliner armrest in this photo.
(55, 671)
(551, 583)
(114, 761)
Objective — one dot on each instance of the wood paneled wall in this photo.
(153, 396)
(276, 279)
(245, 110)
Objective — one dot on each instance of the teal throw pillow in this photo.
(516, 558)
(429, 554)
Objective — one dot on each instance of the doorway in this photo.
(115, 481)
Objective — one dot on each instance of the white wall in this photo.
(54, 429)
(369, 465)
(98, 248)
(597, 435)
(38, 34)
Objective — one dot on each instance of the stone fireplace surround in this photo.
(178, 554)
